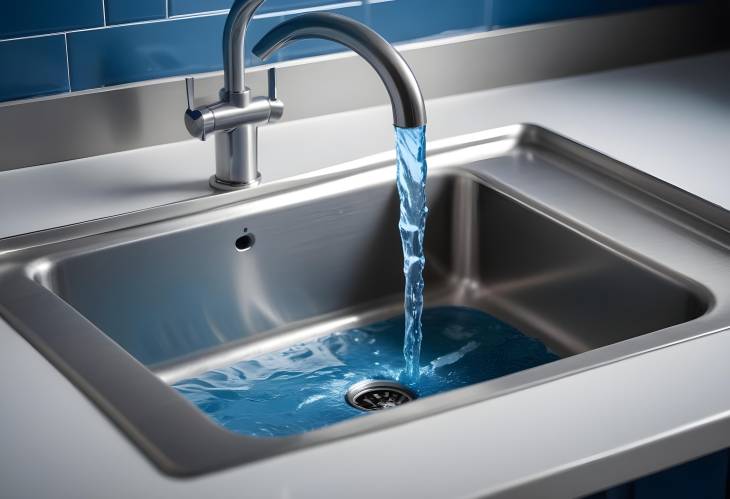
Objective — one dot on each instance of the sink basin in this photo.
(593, 258)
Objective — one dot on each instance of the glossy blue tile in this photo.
(31, 17)
(128, 53)
(122, 54)
(136, 52)
(179, 7)
(127, 11)
(33, 66)
(274, 6)
(507, 13)
(400, 20)
(404, 20)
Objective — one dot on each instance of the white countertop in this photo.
(671, 120)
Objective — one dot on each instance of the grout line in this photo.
(103, 10)
(68, 66)
(27, 37)
(199, 14)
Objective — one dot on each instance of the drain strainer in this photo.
(373, 395)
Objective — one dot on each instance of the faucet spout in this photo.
(405, 96)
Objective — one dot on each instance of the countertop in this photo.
(671, 120)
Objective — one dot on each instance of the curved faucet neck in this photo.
(405, 96)
(234, 35)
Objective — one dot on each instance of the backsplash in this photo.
(55, 46)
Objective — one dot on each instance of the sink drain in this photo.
(373, 395)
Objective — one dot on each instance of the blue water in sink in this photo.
(411, 180)
(302, 387)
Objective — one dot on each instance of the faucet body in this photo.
(235, 118)
(405, 96)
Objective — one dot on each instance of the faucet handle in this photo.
(276, 107)
(190, 92)
(272, 83)
(199, 122)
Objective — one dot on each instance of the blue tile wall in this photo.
(127, 11)
(521, 12)
(135, 52)
(412, 19)
(33, 66)
(182, 7)
(97, 43)
(32, 17)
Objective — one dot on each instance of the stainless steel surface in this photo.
(375, 395)
(235, 118)
(405, 96)
(119, 118)
(597, 260)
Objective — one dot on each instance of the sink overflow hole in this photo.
(245, 242)
(374, 395)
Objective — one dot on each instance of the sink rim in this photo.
(24, 259)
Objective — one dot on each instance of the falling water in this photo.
(411, 170)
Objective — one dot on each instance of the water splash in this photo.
(411, 170)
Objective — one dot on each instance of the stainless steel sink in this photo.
(592, 257)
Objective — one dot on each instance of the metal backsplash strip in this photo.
(96, 122)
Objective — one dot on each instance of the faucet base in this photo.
(221, 185)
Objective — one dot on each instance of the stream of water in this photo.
(411, 180)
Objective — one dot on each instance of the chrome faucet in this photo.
(236, 116)
(405, 96)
